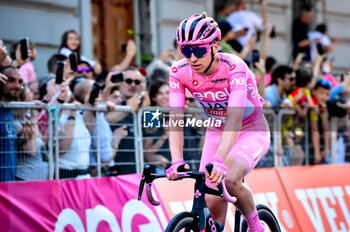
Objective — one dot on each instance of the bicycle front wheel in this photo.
(266, 215)
(183, 222)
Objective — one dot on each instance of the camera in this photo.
(255, 57)
(73, 60)
(320, 49)
(273, 32)
(123, 47)
(119, 77)
(96, 88)
(24, 43)
(59, 72)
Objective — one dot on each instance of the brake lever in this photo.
(221, 187)
(148, 178)
(209, 168)
(142, 185)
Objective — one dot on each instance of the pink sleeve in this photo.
(176, 93)
(238, 89)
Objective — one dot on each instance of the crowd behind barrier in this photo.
(88, 157)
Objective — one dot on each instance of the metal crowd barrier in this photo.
(36, 163)
(291, 114)
(70, 164)
(133, 147)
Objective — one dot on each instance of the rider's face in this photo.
(200, 64)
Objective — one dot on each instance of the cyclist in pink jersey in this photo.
(224, 87)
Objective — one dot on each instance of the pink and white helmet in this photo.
(197, 29)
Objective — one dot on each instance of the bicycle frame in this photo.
(200, 189)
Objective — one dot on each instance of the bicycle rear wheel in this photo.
(183, 222)
(266, 215)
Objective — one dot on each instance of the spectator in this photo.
(34, 89)
(156, 143)
(227, 34)
(108, 140)
(27, 69)
(161, 65)
(269, 67)
(70, 42)
(115, 96)
(247, 19)
(10, 85)
(132, 94)
(301, 96)
(131, 88)
(324, 41)
(320, 96)
(74, 136)
(52, 63)
(225, 8)
(283, 80)
(32, 165)
(25, 66)
(84, 70)
(5, 60)
(300, 39)
(300, 99)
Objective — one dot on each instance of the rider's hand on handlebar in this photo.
(219, 170)
(171, 173)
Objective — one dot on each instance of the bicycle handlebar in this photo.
(148, 178)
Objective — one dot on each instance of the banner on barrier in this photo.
(268, 190)
(315, 198)
(91, 205)
(319, 195)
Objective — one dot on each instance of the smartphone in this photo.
(59, 72)
(141, 100)
(73, 60)
(119, 77)
(255, 56)
(246, 29)
(320, 49)
(96, 88)
(24, 48)
(123, 47)
(273, 32)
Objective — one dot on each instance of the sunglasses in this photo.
(86, 69)
(325, 83)
(190, 99)
(291, 78)
(199, 51)
(130, 81)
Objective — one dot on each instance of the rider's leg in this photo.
(216, 205)
(245, 202)
(249, 148)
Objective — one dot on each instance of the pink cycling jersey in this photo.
(232, 85)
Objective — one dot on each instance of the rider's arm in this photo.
(233, 124)
(235, 109)
(176, 108)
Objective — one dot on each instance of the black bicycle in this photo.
(199, 218)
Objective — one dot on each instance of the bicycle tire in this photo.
(266, 215)
(184, 220)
